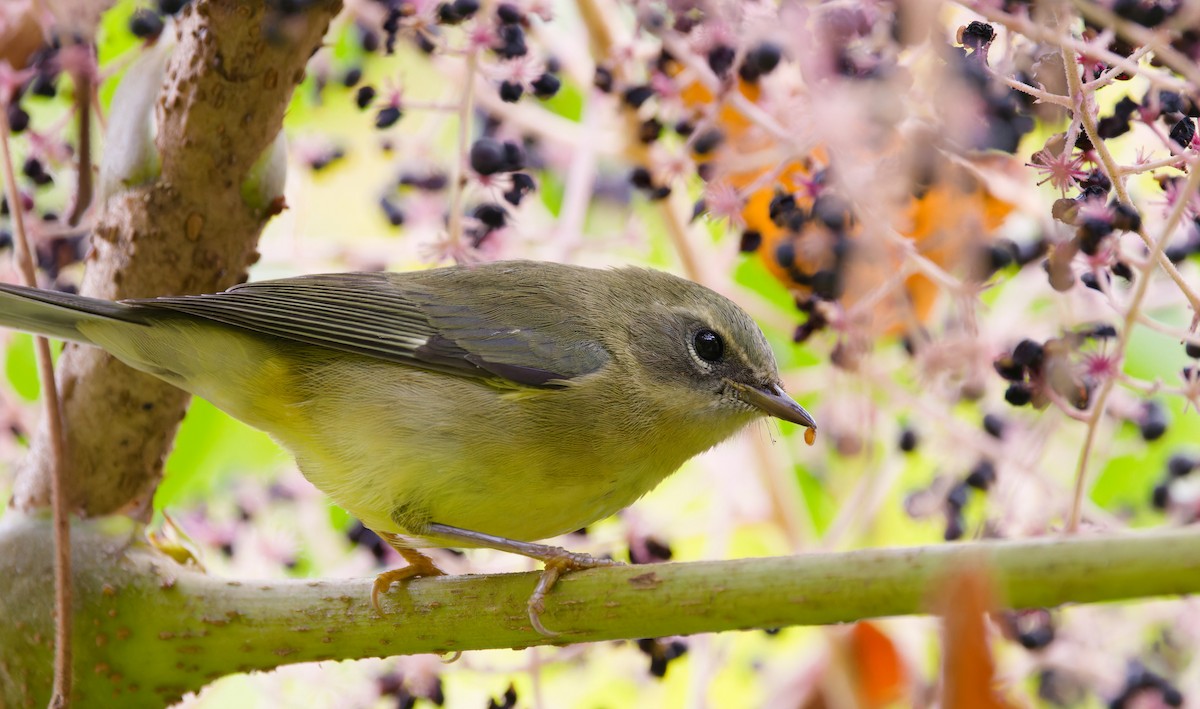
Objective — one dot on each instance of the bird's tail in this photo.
(55, 314)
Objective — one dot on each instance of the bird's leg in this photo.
(418, 565)
(558, 561)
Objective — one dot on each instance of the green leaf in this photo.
(568, 102)
(551, 188)
(113, 39)
(211, 450)
(822, 507)
(20, 366)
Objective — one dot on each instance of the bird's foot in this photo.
(558, 562)
(419, 566)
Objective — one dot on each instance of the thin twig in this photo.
(1110, 75)
(1137, 34)
(1183, 335)
(1113, 171)
(457, 171)
(84, 89)
(1100, 405)
(1039, 94)
(1172, 161)
(54, 426)
(1034, 31)
(580, 186)
(674, 211)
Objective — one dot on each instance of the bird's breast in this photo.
(399, 447)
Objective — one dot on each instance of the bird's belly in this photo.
(487, 491)
(436, 449)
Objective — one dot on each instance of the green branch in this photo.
(149, 630)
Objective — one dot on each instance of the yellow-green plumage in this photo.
(518, 399)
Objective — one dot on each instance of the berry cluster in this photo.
(1038, 372)
(661, 652)
(1140, 683)
(981, 477)
(1179, 467)
(498, 39)
(1033, 628)
(393, 686)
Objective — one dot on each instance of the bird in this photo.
(487, 405)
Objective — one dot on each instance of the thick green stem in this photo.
(149, 630)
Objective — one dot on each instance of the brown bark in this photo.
(222, 103)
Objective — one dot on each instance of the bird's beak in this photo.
(772, 400)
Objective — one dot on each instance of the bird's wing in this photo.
(453, 330)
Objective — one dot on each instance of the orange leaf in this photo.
(968, 671)
(881, 676)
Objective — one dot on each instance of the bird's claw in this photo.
(384, 581)
(559, 563)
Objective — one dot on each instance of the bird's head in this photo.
(701, 354)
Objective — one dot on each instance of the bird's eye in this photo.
(709, 345)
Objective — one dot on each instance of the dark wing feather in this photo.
(408, 318)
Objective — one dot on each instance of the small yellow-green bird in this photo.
(483, 406)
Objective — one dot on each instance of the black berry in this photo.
(387, 116)
(546, 85)
(1036, 638)
(977, 34)
(956, 499)
(1007, 368)
(955, 527)
(1018, 394)
(750, 241)
(1125, 217)
(447, 14)
(514, 156)
(649, 130)
(511, 91)
(707, 141)
(508, 14)
(641, 179)
(466, 8)
(720, 59)
(982, 475)
(1160, 496)
(512, 42)
(487, 156)
(492, 215)
(364, 96)
(145, 24)
(603, 79)
(18, 119)
(170, 7)
(1153, 423)
(1180, 465)
(635, 96)
(522, 185)
(1183, 132)
(1028, 354)
(760, 61)
(391, 212)
(994, 425)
